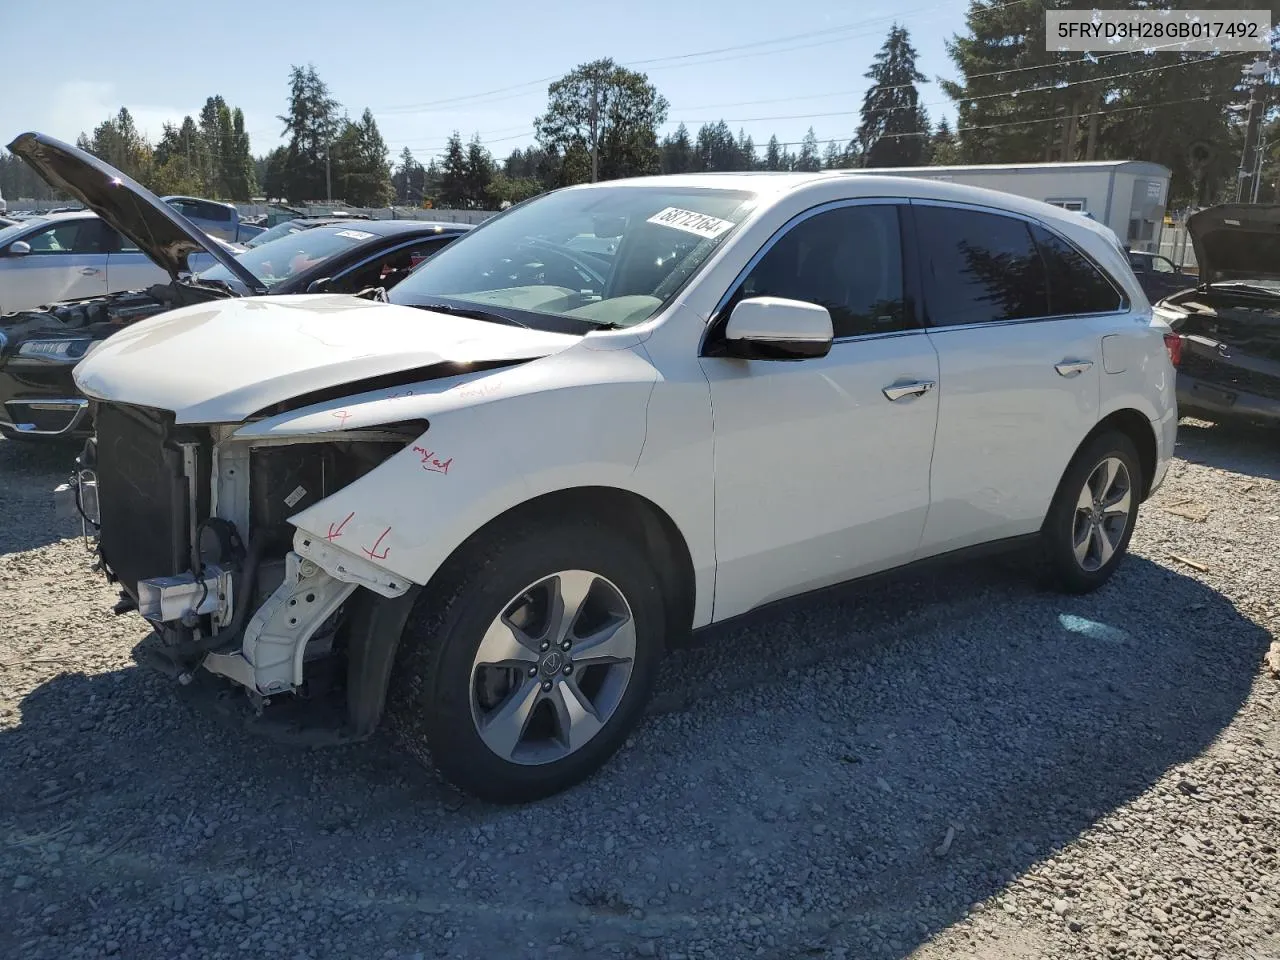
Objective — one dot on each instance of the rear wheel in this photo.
(1087, 530)
(525, 667)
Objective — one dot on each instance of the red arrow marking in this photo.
(372, 553)
(335, 532)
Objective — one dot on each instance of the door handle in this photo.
(1072, 368)
(897, 391)
(90, 272)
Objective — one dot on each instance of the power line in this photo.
(1013, 94)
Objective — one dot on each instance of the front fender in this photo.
(541, 431)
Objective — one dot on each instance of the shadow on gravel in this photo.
(29, 471)
(1240, 448)
(835, 747)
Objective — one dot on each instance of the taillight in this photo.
(1173, 343)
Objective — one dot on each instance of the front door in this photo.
(67, 260)
(822, 465)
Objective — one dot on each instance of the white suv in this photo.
(500, 495)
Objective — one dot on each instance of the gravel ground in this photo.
(957, 765)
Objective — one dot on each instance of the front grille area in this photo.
(142, 496)
(1229, 376)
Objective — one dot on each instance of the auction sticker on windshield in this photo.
(690, 221)
(353, 234)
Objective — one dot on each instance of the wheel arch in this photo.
(378, 622)
(1138, 428)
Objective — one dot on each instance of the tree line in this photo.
(1016, 102)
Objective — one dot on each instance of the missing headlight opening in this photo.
(194, 527)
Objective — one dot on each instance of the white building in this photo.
(1129, 196)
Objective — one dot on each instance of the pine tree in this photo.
(773, 155)
(479, 172)
(311, 124)
(894, 125)
(677, 152)
(453, 174)
(809, 161)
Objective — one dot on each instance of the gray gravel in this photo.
(955, 765)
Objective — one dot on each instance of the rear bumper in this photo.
(1166, 430)
(1224, 401)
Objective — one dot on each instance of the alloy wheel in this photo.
(1102, 515)
(552, 668)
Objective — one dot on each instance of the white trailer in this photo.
(1129, 196)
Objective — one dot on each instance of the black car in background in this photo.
(1158, 276)
(39, 348)
(1226, 346)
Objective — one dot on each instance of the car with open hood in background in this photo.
(39, 348)
(489, 503)
(1227, 348)
(48, 258)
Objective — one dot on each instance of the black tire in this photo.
(1058, 533)
(431, 689)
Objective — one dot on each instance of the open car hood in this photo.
(224, 362)
(1237, 241)
(163, 234)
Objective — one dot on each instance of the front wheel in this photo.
(523, 669)
(1086, 532)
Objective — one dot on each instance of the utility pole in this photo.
(1256, 77)
(595, 130)
(328, 183)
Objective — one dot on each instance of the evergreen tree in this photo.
(894, 125)
(773, 155)
(943, 148)
(677, 152)
(453, 174)
(479, 173)
(809, 161)
(311, 124)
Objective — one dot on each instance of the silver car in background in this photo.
(66, 256)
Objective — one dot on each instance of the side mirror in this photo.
(19, 248)
(318, 286)
(771, 328)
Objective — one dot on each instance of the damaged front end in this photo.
(192, 523)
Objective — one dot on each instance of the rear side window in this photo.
(1075, 284)
(980, 267)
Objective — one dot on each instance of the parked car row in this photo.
(484, 499)
(96, 278)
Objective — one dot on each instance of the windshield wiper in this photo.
(1247, 287)
(472, 313)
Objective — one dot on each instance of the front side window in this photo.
(1075, 285)
(74, 236)
(387, 269)
(602, 256)
(979, 267)
(848, 260)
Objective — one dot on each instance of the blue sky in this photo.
(420, 65)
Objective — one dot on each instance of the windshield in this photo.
(278, 260)
(603, 256)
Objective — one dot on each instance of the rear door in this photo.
(68, 260)
(1017, 316)
(128, 268)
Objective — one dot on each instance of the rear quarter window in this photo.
(1076, 285)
